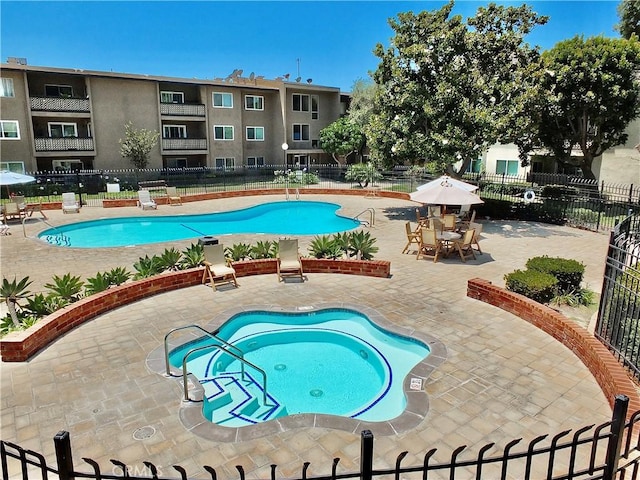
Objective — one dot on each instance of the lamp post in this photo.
(285, 147)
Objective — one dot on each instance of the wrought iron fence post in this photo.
(366, 455)
(615, 441)
(62, 442)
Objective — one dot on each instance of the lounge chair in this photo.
(429, 246)
(173, 197)
(289, 262)
(11, 211)
(477, 228)
(463, 246)
(69, 204)
(412, 237)
(217, 269)
(145, 201)
(20, 201)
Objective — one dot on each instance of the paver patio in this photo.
(503, 378)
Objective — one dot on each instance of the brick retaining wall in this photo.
(20, 346)
(608, 372)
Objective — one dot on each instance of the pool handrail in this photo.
(207, 333)
(372, 217)
(185, 372)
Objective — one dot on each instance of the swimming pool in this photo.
(332, 361)
(278, 218)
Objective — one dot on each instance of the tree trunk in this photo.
(585, 166)
(11, 306)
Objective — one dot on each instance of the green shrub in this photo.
(559, 191)
(538, 286)
(568, 272)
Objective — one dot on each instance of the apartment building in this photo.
(55, 119)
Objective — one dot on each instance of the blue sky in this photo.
(328, 41)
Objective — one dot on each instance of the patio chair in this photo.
(145, 201)
(11, 211)
(69, 203)
(467, 223)
(464, 212)
(463, 246)
(429, 246)
(289, 262)
(477, 228)
(449, 222)
(422, 221)
(217, 270)
(434, 211)
(436, 224)
(412, 237)
(173, 197)
(20, 201)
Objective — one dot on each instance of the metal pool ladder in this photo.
(372, 217)
(238, 356)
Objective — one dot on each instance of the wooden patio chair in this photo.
(463, 246)
(216, 267)
(477, 228)
(412, 237)
(429, 246)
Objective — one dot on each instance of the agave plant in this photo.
(266, 249)
(238, 251)
(343, 242)
(147, 267)
(323, 246)
(41, 305)
(118, 275)
(67, 287)
(362, 245)
(11, 292)
(192, 256)
(170, 259)
(99, 283)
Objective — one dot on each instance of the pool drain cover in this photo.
(280, 367)
(143, 433)
(316, 392)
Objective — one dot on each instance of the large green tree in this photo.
(589, 94)
(137, 145)
(341, 138)
(629, 12)
(447, 90)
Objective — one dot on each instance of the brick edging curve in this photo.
(607, 371)
(22, 345)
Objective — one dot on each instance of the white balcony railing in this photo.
(63, 144)
(58, 104)
(184, 109)
(184, 143)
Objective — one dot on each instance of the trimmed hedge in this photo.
(568, 272)
(538, 286)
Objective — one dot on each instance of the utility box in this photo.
(208, 241)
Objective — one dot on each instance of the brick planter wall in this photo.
(608, 372)
(20, 346)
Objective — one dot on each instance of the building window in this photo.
(225, 163)
(507, 167)
(171, 97)
(9, 129)
(174, 131)
(6, 87)
(315, 100)
(65, 91)
(223, 132)
(67, 165)
(255, 133)
(255, 162)
(16, 167)
(222, 100)
(59, 130)
(475, 166)
(300, 102)
(253, 102)
(300, 131)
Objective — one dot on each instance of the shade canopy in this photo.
(13, 178)
(445, 193)
(445, 178)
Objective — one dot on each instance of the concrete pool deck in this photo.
(502, 379)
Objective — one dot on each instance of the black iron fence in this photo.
(618, 325)
(609, 451)
(552, 198)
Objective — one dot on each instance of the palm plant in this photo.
(342, 241)
(11, 292)
(362, 245)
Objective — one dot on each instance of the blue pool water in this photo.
(332, 361)
(279, 218)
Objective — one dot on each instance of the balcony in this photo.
(59, 104)
(64, 144)
(182, 109)
(184, 144)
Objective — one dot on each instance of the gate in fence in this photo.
(609, 451)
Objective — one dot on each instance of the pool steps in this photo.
(234, 402)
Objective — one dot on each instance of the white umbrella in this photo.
(445, 193)
(13, 178)
(445, 178)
